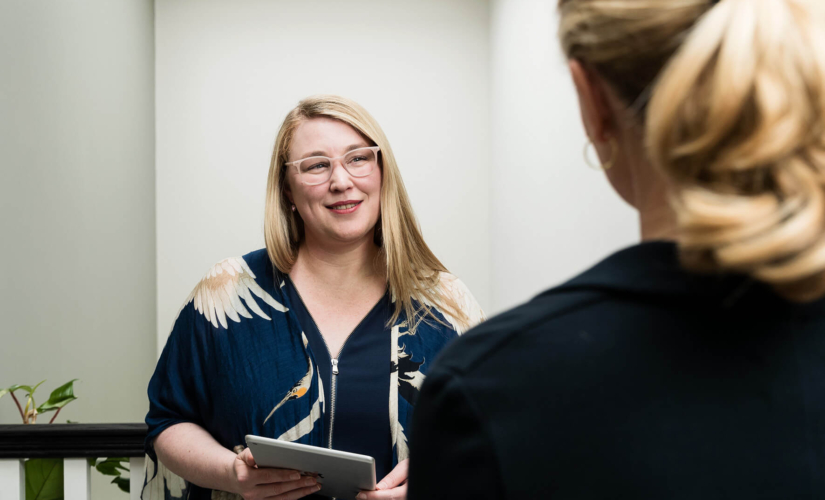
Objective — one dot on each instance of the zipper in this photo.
(333, 361)
(334, 376)
(332, 399)
(334, 382)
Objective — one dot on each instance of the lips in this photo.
(345, 207)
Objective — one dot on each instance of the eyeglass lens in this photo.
(318, 169)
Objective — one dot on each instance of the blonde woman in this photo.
(322, 338)
(691, 365)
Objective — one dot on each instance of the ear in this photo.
(596, 113)
(288, 193)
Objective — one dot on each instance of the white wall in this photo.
(228, 72)
(552, 216)
(77, 239)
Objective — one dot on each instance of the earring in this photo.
(293, 208)
(614, 152)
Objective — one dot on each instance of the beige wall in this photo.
(77, 293)
(77, 237)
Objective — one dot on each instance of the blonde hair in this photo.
(733, 101)
(413, 271)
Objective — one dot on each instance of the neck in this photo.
(658, 223)
(337, 265)
(657, 220)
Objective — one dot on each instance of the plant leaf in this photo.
(44, 479)
(29, 389)
(110, 466)
(122, 483)
(59, 397)
(3, 392)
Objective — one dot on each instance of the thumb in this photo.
(397, 476)
(247, 458)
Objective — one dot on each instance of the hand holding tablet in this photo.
(340, 474)
(281, 484)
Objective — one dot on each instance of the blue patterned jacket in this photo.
(237, 363)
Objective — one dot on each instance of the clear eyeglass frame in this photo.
(314, 182)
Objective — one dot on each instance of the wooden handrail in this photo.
(72, 440)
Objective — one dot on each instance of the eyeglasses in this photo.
(317, 170)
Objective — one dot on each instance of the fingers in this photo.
(246, 457)
(399, 493)
(397, 476)
(258, 483)
(267, 474)
(300, 491)
(264, 476)
(276, 489)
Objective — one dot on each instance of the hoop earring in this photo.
(293, 208)
(614, 152)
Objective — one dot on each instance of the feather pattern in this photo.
(162, 483)
(399, 440)
(453, 287)
(219, 294)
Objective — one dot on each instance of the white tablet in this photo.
(340, 474)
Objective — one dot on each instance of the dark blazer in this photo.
(634, 380)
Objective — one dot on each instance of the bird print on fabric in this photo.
(162, 483)
(219, 293)
(410, 378)
(300, 388)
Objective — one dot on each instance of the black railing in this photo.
(72, 440)
(74, 445)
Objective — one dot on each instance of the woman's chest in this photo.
(338, 312)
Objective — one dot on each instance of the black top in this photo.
(362, 387)
(634, 380)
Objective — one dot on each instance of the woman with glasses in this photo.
(691, 365)
(323, 338)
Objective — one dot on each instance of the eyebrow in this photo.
(324, 153)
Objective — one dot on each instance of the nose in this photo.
(340, 179)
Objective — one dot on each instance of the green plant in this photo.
(59, 398)
(115, 467)
(44, 476)
(44, 479)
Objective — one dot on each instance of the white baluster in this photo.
(12, 479)
(137, 469)
(77, 479)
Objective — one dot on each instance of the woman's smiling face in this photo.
(345, 208)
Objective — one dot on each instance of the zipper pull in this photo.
(335, 366)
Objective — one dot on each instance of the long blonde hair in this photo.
(413, 271)
(732, 98)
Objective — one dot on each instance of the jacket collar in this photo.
(652, 269)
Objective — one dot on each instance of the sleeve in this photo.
(177, 394)
(451, 455)
(463, 299)
(177, 389)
